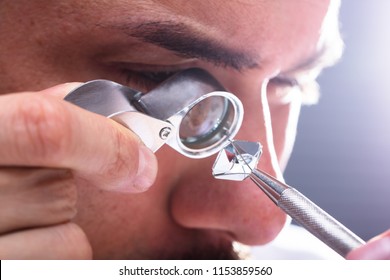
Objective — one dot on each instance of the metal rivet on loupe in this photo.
(164, 133)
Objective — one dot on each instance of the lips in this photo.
(202, 245)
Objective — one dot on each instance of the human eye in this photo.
(143, 77)
(283, 81)
(145, 80)
(284, 89)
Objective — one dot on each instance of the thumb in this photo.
(99, 151)
(60, 90)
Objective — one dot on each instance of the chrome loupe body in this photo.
(190, 112)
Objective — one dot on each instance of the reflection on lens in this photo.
(205, 123)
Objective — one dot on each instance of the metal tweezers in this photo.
(305, 212)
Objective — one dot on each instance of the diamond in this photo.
(236, 161)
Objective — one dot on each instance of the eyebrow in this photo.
(186, 42)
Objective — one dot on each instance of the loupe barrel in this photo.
(204, 114)
(176, 93)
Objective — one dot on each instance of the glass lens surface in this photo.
(204, 120)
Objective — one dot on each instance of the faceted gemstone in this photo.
(237, 160)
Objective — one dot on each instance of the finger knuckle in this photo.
(60, 197)
(125, 155)
(41, 127)
(36, 197)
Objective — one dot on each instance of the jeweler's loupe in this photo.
(190, 111)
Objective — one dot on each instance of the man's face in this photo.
(251, 47)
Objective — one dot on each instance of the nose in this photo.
(238, 209)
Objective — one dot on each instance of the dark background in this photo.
(342, 155)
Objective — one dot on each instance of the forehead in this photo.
(280, 31)
(268, 28)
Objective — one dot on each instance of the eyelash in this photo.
(284, 81)
(145, 80)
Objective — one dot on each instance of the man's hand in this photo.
(378, 248)
(48, 148)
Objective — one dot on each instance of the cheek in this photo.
(120, 224)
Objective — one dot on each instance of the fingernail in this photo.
(72, 85)
(62, 90)
(147, 169)
(376, 249)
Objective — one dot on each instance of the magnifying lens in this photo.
(191, 111)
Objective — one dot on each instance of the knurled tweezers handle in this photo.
(318, 222)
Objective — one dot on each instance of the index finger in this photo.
(42, 130)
